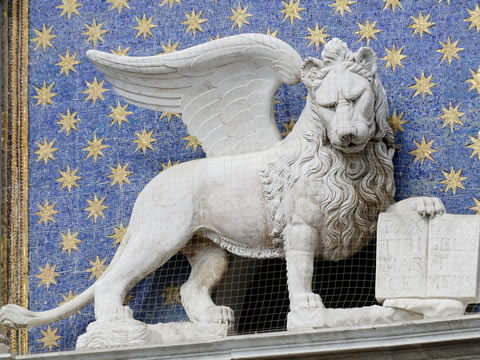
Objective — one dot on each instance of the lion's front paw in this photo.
(429, 206)
(309, 301)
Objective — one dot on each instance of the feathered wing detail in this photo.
(224, 89)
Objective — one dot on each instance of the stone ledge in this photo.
(449, 338)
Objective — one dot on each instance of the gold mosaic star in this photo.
(144, 141)
(475, 145)
(118, 234)
(194, 22)
(421, 25)
(316, 36)
(394, 57)
(118, 4)
(170, 2)
(288, 127)
(144, 26)
(169, 115)
(95, 148)
(127, 299)
(451, 116)
(169, 48)
(97, 268)
(95, 208)
(440, 1)
(119, 114)
(69, 241)
(169, 164)
(342, 5)
(94, 32)
(367, 31)
(69, 7)
(239, 16)
(44, 94)
(393, 4)
(95, 90)
(475, 80)
(68, 178)
(68, 122)
(43, 38)
(291, 10)
(45, 151)
(211, 38)
(46, 212)
(171, 295)
(192, 142)
(47, 275)
(474, 18)
(49, 338)
(67, 298)
(449, 50)
(67, 63)
(476, 208)
(120, 175)
(453, 180)
(269, 32)
(423, 86)
(120, 51)
(423, 150)
(396, 121)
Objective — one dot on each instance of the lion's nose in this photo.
(346, 134)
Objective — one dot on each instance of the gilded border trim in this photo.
(15, 163)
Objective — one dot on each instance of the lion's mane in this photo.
(357, 187)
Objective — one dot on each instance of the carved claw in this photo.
(15, 317)
(309, 301)
(430, 206)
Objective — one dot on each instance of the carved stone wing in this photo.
(224, 89)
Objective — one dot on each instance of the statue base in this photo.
(129, 332)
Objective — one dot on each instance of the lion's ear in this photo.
(367, 58)
(310, 69)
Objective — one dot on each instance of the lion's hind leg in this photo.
(209, 263)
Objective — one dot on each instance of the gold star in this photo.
(97, 268)
(194, 22)
(170, 2)
(47, 275)
(169, 164)
(95, 208)
(68, 121)
(342, 5)
(45, 151)
(46, 213)
(475, 145)
(475, 80)
(423, 150)
(393, 4)
(394, 57)
(451, 116)
(95, 147)
(69, 241)
(171, 295)
(67, 298)
(316, 36)
(217, 37)
(49, 338)
(192, 142)
(239, 16)
(127, 299)
(119, 114)
(144, 140)
(169, 115)
(119, 175)
(144, 26)
(118, 234)
(69, 7)
(44, 95)
(396, 121)
(169, 48)
(95, 90)
(120, 51)
(94, 32)
(118, 4)
(68, 178)
(422, 86)
(476, 208)
(367, 31)
(43, 38)
(449, 50)
(291, 10)
(67, 63)
(269, 32)
(448, 2)
(474, 18)
(421, 25)
(288, 127)
(453, 180)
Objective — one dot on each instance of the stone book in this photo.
(419, 257)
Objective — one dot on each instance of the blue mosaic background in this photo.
(62, 271)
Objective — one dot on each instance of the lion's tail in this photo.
(14, 316)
